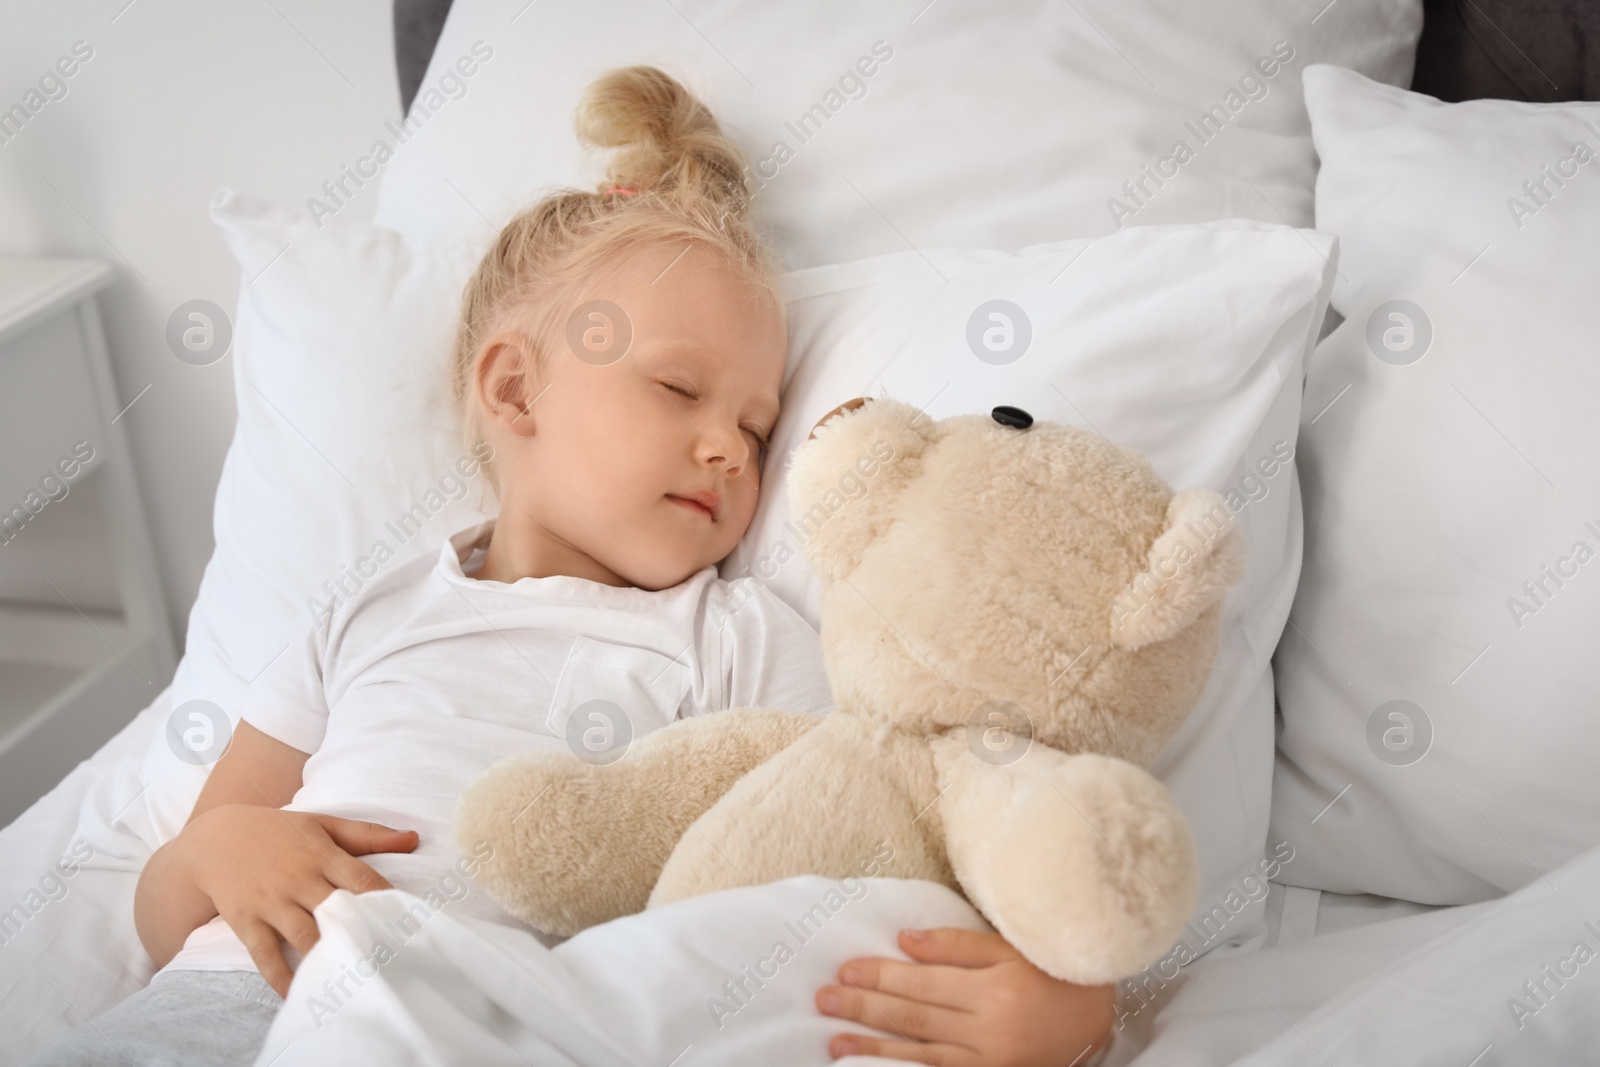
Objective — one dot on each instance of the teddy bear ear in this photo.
(1197, 557)
(843, 481)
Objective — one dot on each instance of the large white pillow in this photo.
(346, 459)
(1186, 343)
(1440, 716)
(993, 125)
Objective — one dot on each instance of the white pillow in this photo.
(1438, 739)
(1186, 343)
(346, 459)
(992, 125)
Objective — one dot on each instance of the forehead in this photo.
(686, 302)
(691, 290)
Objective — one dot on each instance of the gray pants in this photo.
(181, 1019)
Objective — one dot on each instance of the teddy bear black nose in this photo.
(1015, 418)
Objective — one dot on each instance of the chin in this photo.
(661, 563)
(664, 575)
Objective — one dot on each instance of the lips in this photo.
(707, 504)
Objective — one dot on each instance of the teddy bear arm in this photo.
(841, 802)
(1083, 862)
(572, 845)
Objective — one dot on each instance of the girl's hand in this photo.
(971, 999)
(265, 869)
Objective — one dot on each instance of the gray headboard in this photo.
(417, 24)
(1541, 51)
(1534, 50)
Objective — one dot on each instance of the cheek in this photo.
(618, 436)
(741, 511)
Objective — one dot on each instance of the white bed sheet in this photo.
(1220, 1010)
(68, 949)
(1507, 981)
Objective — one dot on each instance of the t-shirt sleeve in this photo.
(288, 701)
(771, 657)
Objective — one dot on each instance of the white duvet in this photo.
(728, 979)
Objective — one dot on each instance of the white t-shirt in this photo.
(427, 677)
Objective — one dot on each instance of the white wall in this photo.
(179, 98)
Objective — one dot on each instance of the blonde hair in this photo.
(687, 187)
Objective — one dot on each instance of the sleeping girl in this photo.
(620, 355)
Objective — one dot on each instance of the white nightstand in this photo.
(69, 678)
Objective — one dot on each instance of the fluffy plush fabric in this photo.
(1014, 623)
(576, 844)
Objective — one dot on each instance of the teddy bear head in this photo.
(989, 571)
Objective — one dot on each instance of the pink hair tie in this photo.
(621, 190)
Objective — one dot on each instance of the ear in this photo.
(505, 382)
(843, 482)
(1197, 557)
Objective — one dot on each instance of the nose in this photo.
(1015, 418)
(724, 444)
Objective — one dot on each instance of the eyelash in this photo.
(764, 442)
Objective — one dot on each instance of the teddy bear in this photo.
(1015, 618)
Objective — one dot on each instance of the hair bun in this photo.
(669, 142)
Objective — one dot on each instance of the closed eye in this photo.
(679, 390)
(762, 447)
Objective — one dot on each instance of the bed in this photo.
(1434, 885)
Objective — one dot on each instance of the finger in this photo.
(296, 926)
(359, 837)
(957, 947)
(930, 983)
(908, 1020)
(935, 1053)
(261, 941)
(346, 872)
